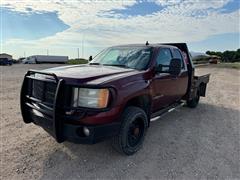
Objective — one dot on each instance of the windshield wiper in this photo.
(94, 63)
(118, 65)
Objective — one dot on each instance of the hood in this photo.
(87, 73)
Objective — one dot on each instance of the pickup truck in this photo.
(116, 95)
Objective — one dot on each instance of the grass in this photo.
(77, 61)
(235, 65)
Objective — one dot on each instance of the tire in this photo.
(132, 132)
(194, 102)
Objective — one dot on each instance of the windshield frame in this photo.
(96, 62)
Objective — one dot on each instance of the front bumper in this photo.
(74, 133)
(98, 133)
(52, 117)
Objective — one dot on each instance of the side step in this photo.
(169, 109)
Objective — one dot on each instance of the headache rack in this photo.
(41, 100)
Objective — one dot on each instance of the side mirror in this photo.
(159, 68)
(90, 58)
(175, 66)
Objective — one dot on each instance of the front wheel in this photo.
(132, 132)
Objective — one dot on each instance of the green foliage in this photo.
(227, 56)
(217, 53)
(77, 61)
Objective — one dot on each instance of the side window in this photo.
(164, 57)
(177, 54)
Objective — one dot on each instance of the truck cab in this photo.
(116, 95)
(29, 60)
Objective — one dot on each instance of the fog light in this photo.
(86, 131)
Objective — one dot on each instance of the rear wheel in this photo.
(132, 132)
(194, 102)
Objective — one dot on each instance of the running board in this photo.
(165, 111)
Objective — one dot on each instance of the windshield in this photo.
(129, 57)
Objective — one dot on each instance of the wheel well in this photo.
(143, 102)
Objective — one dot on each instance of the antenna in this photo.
(147, 43)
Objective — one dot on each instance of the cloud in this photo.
(178, 21)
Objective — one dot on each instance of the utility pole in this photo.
(82, 47)
(24, 54)
(78, 52)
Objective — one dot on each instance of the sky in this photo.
(66, 27)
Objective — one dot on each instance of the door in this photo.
(182, 79)
(164, 85)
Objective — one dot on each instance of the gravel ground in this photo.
(201, 143)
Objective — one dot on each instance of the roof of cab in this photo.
(144, 45)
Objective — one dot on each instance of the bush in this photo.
(227, 56)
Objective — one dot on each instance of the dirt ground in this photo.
(201, 143)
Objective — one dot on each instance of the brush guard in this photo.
(45, 114)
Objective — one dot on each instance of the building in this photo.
(7, 56)
(6, 59)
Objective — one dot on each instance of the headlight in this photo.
(90, 98)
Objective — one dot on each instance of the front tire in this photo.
(133, 129)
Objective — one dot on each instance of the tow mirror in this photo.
(159, 68)
(175, 66)
(90, 58)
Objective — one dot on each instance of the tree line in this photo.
(227, 56)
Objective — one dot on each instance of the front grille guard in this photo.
(54, 111)
(58, 109)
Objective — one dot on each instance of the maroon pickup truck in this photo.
(116, 95)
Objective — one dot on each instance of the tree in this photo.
(227, 56)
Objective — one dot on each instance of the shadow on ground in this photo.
(187, 143)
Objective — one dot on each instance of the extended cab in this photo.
(116, 95)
